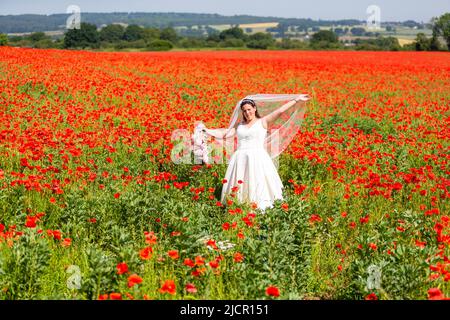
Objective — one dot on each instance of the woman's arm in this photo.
(221, 133)
(271, 117)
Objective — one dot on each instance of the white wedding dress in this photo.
(252, 165)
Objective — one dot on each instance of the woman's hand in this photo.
(303, 97)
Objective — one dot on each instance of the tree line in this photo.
(117, 37)
(38, 23)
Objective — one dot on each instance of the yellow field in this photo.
(403, 41)
(259, 26)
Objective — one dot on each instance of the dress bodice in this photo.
(251, 137)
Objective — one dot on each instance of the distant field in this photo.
(403, 41)
(257, 27)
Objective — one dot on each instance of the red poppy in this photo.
(190, 288)
(168, 287)
(146, 253)
(31, 221)
(133, 280)
(371, 296)
(122, 268)
(238, 257)
(272, 291)
(115, 296)
(188, 262)
(436, 294)
(150, 237)
(199, 260)
(173, 254)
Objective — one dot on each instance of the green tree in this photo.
(159, 45)
(358, 31)
(112, 33)
(151, 34)
(213, 37)
(326, 36)
(3, 39)
(435, 45)
(422, 43)
(38, 36)
(233, 33)
(133, 32)
(169, 34)
(260, 40)
(232, 43)
(441, 27)
(86, 36)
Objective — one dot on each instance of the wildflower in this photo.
(238, 257)
(436, 294)
(364, 220)
(173, 254)
(122, 268)
(371, 296)
(191, 288)
(66, 242)
(273, 291)
(188, 262)
(146, 253)
(31, 221)
(134, 279)
(199, 260)
(150, 237)
(115, 296)
(168, 287)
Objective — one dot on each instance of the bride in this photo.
(251, 175)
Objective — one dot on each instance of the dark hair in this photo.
(252, 103)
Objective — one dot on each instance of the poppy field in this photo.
(93, 207)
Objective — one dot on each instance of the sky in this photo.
(390, 10)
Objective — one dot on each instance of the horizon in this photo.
(211, 13)
(400, 10)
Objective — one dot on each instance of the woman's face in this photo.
(248, 111)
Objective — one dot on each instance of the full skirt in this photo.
(254, 174)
